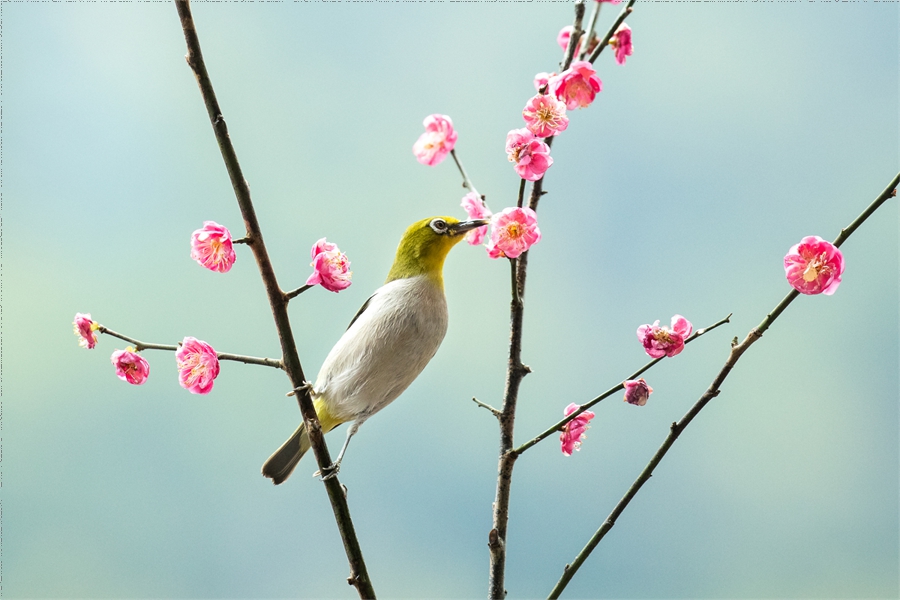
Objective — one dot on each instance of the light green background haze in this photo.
(733, 131)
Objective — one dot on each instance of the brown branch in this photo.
(278, 302)
(737, 350)
(626, 10)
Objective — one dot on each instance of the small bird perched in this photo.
(388, 343)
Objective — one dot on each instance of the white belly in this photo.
(384, 350)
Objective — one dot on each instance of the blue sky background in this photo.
(733, 131)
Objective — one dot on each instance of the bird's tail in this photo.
(281, 464)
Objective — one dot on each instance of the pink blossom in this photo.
(621, 41)
(637, 392)
(664, 341)
(130, 366)
(211, 247)
(610, 1)
(438, 140)
(331, 268)
(531, 155)
(814, 266)
(542, 79)
(198, 365)
(84, 329)
(577, 86)
(513, 231)
(563, 38)
(545, 116)
(475, 207)
(571, 436)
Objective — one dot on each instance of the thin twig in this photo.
(297, 292)
(490, 408)
(573, 39)
(467, 183)
(521, 197)
(139, 346)
(626, 10)
(561, 424)
(359, 576)
(589, 32)
(714, 389)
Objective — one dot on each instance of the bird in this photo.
(387, 344)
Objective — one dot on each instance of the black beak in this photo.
(464, 226)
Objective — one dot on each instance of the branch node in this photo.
(734, 341)
(488, 407)
(673, 427)
(894, 193)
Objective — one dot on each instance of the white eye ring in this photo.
(439, 225)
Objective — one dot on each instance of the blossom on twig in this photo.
(545, 116)
(212, 248)
(577, 86)
(637, 391)
(621, 41)
(130, 366)
(475, 208)
(814, 266)
(331, 267)
(438, 140)
(513, 231)
(665, 341)
(198, 365)
(84, 329)
(573, 433)
(531, 155)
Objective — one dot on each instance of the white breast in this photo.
(384, 350)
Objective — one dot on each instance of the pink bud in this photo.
(814, 266)
(130, 366)
(198, 366)
(562, 38)
(84, 329)
(571, 436)
(438, 140)
(211, 247)
(542, 79)
(637, 392)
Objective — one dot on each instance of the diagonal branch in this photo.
(737, 350)
(626, 10)
(278, 302)
(561, 424)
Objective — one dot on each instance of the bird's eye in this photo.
(439, 225)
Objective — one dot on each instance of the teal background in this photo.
(734, 130)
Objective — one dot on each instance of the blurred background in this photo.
(733, 131)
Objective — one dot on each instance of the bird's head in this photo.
(425, 245)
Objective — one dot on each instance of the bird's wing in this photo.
(360, 311)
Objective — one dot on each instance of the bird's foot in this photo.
(306, 387)
(328, 472)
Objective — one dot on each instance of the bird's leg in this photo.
(331, 471)
(306, 387)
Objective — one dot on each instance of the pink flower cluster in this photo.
(331, 267)
(637, 391)
(130, 366)
(212, 248)
(665, 341)
(530, 155)
(814, 266)
(513, 231)
(475, 208)
(571, 436)
(84, 329)
(438, 140)
(198, 365)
